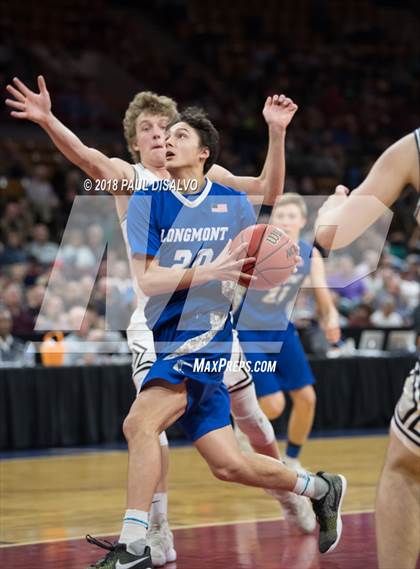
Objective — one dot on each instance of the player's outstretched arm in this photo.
(328, 314)
(353, 213)
(278, 112)
(36, 107)
(155, 280)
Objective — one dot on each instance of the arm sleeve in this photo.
(142, 228)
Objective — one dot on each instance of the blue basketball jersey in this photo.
(186, 230)
(270, 310)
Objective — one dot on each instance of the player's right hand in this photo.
(27, 104)
(228, 265)
(278, 111)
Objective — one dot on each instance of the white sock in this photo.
(135, 526)
(159, 506)
(310, 485)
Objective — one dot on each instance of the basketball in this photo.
(275, 253)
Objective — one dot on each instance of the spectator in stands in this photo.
(41, 247)
(40, 193)
(16, 218)
(387, 316)
(409, 285)
(77, 350)
(346, 273)
(95, 240)
(391, 288)
(87, 343)
(75, 253)
(13, 301)
(360, 316)
(73, 294)
(111, 303)
(12, 350)
(52, 316)
(13, 251)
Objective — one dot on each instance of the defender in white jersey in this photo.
(139, 336)
(144, 127)
(398, 497)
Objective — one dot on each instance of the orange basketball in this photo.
(275, 253)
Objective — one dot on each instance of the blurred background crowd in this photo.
(357, 91)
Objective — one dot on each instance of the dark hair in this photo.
(207, 133)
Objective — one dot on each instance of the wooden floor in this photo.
(56, 498)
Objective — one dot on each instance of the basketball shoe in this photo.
(328, 511)
(160, 539)
(119, 558)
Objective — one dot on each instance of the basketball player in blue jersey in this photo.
(174, 388)
(398, 498)
(144, 128)
(265, 318)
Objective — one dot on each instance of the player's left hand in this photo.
(279, 110)
(334, 200)
(331, 327)
(299, 263)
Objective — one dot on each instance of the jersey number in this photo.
(183, 258)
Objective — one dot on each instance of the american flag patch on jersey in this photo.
(219, 208)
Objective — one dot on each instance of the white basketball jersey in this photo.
(137, 326)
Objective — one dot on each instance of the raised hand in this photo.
(27, 104)
(334, 200)
(279, 110)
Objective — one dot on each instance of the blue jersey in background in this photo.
(270, 310)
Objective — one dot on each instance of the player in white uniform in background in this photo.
(398, 497)
(145, 125)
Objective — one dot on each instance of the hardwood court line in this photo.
(175, 528)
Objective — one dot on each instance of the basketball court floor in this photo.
(50, 501)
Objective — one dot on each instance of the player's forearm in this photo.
(274, 170)
(328, 313)
(270, 183)
(340, 226)
(342, 220)
(159, 280)
(326, 307)
(91, 161)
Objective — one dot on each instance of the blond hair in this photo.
(145, 102)
(291, 198)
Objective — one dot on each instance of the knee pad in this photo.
(258, 428)
(163, 439)
(250, 418)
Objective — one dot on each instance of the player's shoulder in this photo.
(221, 189)
(142, 176)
